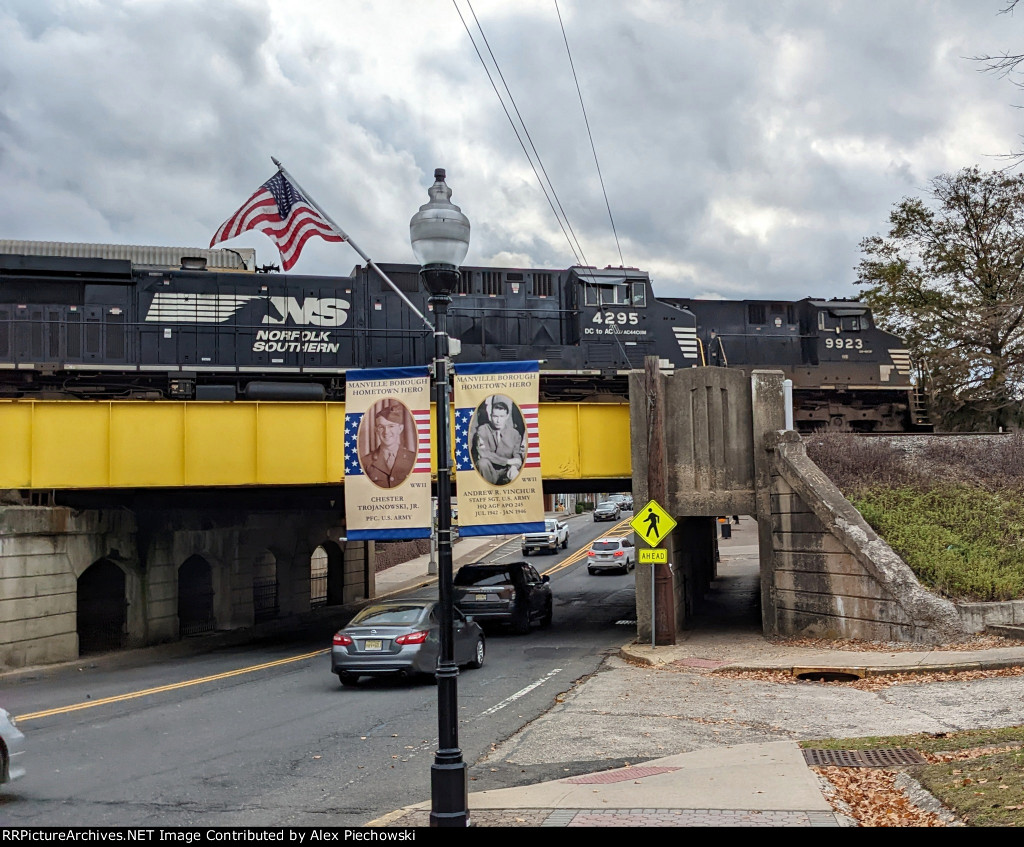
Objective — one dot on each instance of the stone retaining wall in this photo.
(831, 575)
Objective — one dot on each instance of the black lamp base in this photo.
(450, 795)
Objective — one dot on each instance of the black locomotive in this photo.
(144, 328)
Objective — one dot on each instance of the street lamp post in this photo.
(440, 239)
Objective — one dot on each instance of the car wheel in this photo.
(478, 654)
(348, 679)
(526, 553)
(591, 571)
(565, 544)
(545, 621)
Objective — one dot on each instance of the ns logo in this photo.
(315, 311)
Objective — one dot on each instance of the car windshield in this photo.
(605, 545)
(387, 616)
(605, 507)
(550, 526)
(483, 576)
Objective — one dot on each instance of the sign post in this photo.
(653, 524)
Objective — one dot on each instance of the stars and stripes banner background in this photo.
(497, 448)
(279, 210)
(387, 454)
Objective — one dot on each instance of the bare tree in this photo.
(1008, 66)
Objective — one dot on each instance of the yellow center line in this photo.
(146, 692)
(581, 554)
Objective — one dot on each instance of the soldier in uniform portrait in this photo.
(499, 448)
(390, 462)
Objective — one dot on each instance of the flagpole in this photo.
(354, 246)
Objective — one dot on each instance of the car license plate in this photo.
(375, 644)
(482, 598)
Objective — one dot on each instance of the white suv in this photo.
(555, 535)
(611, 554)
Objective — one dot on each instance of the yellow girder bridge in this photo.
(96, 444)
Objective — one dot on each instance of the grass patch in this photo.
(952, 510)
(960, 541)
(926, 742)
(983, 791)
(986, 789)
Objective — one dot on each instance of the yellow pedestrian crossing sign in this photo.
(652, 523)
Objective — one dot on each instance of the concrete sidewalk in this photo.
(760, 784)
(745, 785)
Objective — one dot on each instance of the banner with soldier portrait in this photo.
(497, 448)
(387, 454)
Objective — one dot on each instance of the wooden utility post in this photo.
(664, 611)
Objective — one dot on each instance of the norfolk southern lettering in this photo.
(115, 328)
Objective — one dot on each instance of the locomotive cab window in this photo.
(618, 294)
(843, 323)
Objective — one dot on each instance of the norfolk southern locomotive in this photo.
(162, 323)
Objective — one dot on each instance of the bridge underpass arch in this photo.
(195, 597)
(102, 608)
(331, 574)
(266, 600)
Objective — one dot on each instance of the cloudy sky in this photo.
(746, 147)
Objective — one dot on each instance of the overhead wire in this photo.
(546, 185)
(590, 135)
(533, 158)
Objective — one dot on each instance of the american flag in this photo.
(354, 419)
(352, 466)
(422, 418)
(463, 456)
(282, 213)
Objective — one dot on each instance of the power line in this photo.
(590, 135)
(546, 185)
(534, 159)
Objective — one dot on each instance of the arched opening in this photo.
(335, 574)
(265, 602)
(195, 597)
(102, 608)
(318, 568)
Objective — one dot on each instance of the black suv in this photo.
(512, 593)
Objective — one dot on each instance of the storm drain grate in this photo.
(885, 758)
(620, 775)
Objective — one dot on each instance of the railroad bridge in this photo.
(131, 523)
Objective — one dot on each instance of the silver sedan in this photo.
(401, 637)
(12, 748)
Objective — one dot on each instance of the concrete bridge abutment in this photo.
(74, 581)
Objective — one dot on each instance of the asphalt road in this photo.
(264, 735)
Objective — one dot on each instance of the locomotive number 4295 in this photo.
(844, 343)
(608, 318)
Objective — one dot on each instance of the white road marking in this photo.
(520, 693)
